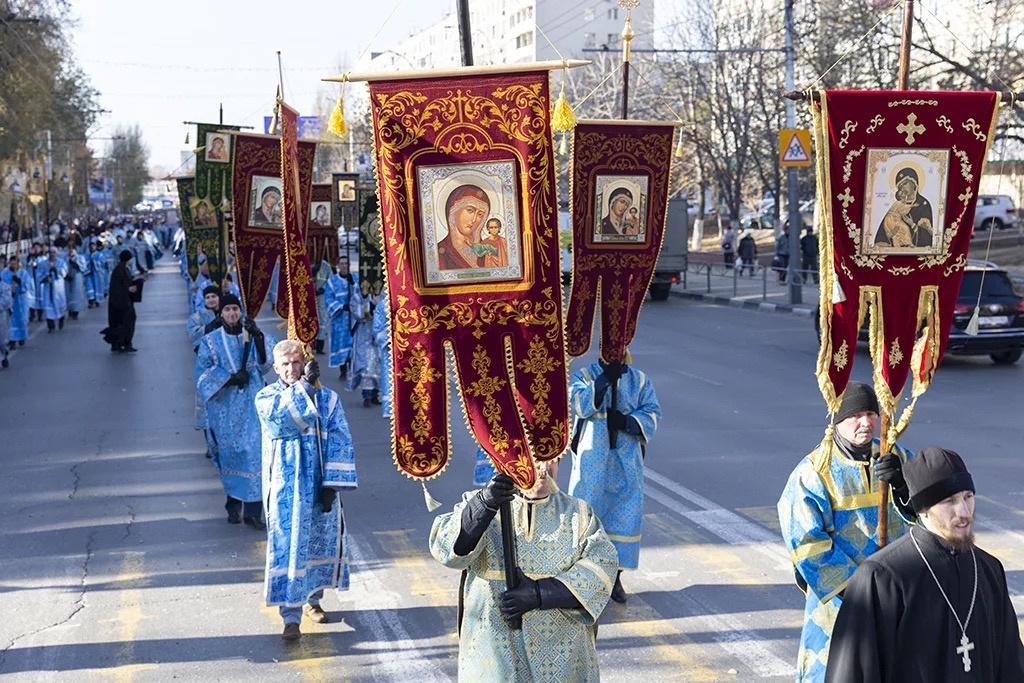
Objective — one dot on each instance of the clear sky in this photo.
(159, 63)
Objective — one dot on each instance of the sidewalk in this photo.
(715, 283)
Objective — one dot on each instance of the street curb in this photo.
(766, 306)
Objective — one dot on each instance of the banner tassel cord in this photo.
(431, 502)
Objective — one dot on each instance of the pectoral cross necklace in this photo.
(965, 643)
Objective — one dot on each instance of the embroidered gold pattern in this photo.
(895, 353)
(911, 128)
(841, 357)
(420, 374)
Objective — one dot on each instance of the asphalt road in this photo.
(118, 563)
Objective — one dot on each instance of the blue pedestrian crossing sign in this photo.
(794, 147)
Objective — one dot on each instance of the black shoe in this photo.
(209, 455)
(21, 343)
(366, 402)
(114, 348)
(129, 349)
(5, 363)
(60, 324)
(375, 399)
(234, 517)
(618, 592)
(255, 523)
(11, 345)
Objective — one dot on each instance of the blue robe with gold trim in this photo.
(20, 305)
(78, 266)
(829, 517)
(612, 479)
(561, 539)
(306, 446)
(230, 411)
(196, 328)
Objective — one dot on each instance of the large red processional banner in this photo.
(620, 184)
(258, 210)
(898, 176)
(466, 179)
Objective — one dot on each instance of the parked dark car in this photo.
(1000, 316)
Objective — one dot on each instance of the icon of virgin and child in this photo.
(474, 239)
(908, 222)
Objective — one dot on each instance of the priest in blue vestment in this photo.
(231, 373)
(337, 293)
(55, 299)
(78, 265)
(611, 478)
(96, 278)
(307, 460)
(20, 282)
(364, 373)
(197, 326)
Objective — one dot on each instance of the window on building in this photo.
(613, 38)
(589, 39)
(588, 14)
(613, 13)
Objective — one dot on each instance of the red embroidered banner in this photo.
(467, 193)
(300, 292)
(620, 176)
(321, 235)
(898, 176)
(257, 210)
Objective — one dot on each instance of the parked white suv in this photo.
(995, 211)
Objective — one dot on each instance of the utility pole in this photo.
(796, 223)
(465, 35)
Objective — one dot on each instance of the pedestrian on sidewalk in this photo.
(780, 263)
(829, 516)
(231, 374)
(729, 246)
(809, 253)
(307, 461)
(566, 568)
(911, 604)
(608, 451)
(748, 252)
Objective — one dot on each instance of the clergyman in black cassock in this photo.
(931, 607)
(120, 329)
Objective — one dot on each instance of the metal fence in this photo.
(750, 281)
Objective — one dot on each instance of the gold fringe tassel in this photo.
(336, 123)
(973, 323)
(563, 146)
(562, 118)
(432, 504)
(679, 147)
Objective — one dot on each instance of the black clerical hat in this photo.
(212, 289)
(858, 398)
(935, 474)
(229, 300)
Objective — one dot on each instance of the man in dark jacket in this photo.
(748, 252)
(809, 254)
(120, 328)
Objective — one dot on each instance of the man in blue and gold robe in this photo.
(610, 478)
(364, 371)
(566, 570)
(337, 295)
(829, 517)
(231, 373)
(307, 460)
(96, 276)
(78, 266)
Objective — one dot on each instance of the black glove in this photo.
(521, 599)
(240, 379)
(889, 469)
(327, 497)
(16, 280)
(614, 370)
(311, 373)
(500, 489)
(616, 421)
(319, 291)
(249, 325)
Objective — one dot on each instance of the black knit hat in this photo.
(212, 289)
(229, 300)
(935, 474)
(858, 398)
